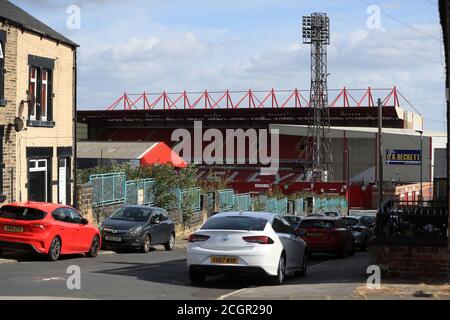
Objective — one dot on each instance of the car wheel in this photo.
(95, 248)
(196, 276)
(171, 244)
(302, 272)
(281, 272)
(147, 244)
(342, 253)
(55, 249)
(352, 250)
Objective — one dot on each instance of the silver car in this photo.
(361, 229)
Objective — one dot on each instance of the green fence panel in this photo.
(282, 206)
(108, 188)
(271, 205)
(226, 199)
(140, 191)
(191, 198)
(298, 207)
(242, 202)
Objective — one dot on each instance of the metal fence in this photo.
(299, 206)
(282, 206)
(140, 191)
(242, 202)
(413, 220)
(190, 199)
(109, 188)
(226, 199)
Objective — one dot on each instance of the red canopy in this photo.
(160, 153)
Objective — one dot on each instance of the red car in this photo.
(327, 234)
(47, 228)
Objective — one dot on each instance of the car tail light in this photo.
(197, 237)
(258, 239)
(38, 226)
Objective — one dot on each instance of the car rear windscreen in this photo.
(292, 219)
(350, 222)
(235, 223)
(317, 223)
(21, 213)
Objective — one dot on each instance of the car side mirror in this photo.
(84, 221)
(156, 221)
(300, 232)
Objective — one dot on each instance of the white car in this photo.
(246, 242)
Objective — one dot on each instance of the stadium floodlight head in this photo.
(316, 28)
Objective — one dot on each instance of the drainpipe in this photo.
(74, 167)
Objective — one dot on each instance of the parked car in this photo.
(327, 234)
(246, 243)
(138, 227)
(294, 221)
(47, 228)
(332, 214)
(360, 228)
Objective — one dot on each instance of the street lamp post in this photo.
(421, 164)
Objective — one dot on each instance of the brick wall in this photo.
(9, 112)
(411, 262)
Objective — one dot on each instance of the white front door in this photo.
(62, 180)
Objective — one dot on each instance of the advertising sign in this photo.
(405, 157)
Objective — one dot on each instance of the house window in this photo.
(2, 67)
(40, 93)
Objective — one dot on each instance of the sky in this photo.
(174, 45)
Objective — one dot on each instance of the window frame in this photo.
(41, 113)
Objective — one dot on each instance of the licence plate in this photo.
(224, 260)
(118, 239)
(314, 234)
(13, 229)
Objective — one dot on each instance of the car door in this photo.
(282, 232)
(297, 245)
(83, 234)
(166, 226)
(157, 227)
(65, 229)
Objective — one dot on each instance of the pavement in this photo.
(162, 274)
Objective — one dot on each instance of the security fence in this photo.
(226, 199)
(190, 199)
(109, 188)
(140, 191)
(242, 202)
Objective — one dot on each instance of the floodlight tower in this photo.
(316, 32)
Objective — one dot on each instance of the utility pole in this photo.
(421, 164)
(380, 159)
(348, 179)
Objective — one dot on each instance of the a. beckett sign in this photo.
(405, 157)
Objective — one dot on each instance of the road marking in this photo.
(49, 279)
(223, 297)
(39, 298)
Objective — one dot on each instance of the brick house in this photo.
(37, 109)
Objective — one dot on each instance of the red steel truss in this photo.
(254, 99)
